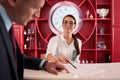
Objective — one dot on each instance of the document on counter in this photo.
(84, 70)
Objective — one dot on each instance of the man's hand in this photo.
(55, 67)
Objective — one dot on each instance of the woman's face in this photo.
(68, 25)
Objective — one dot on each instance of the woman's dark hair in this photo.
(71, 17)
(73, 36)
(76, 44)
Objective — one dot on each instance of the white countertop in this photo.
(99, 71)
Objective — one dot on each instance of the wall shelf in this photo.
(89, 33)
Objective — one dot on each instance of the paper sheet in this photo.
(84, 70)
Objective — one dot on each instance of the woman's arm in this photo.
(60, 58)
(51, 57)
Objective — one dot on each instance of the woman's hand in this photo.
(62, 59)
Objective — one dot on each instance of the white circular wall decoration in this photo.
(59, 11)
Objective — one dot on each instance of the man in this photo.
(11, 62)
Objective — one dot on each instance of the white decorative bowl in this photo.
(102, 12)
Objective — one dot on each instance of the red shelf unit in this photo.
(40, 32)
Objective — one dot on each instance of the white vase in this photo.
(102, 12)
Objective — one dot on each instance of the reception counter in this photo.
(101, 71)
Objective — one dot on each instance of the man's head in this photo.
(22, 11)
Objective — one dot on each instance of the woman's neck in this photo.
(68, 38)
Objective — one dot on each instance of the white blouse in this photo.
(58, 46)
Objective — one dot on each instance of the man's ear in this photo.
(12, 2)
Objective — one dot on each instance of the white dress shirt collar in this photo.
(62, 38)
(5, 17)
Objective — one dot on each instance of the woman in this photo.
(66, 46)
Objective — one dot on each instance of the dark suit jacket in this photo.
(9, 69)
